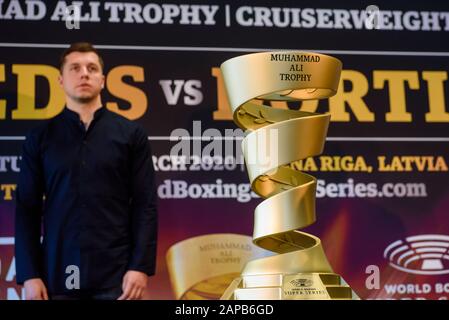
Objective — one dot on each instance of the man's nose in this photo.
(84, 72)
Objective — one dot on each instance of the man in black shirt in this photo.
(88, 175)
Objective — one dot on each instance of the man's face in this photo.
(82, 77)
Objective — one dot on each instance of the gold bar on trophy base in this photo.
(274, 293)
(330, 279)
(268, 280)
(339, 292)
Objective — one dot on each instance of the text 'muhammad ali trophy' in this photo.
(275, 139)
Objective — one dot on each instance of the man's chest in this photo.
(95, 152)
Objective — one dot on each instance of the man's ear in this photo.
(60, 79)
(102, 85)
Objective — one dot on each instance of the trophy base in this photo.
(300, 286)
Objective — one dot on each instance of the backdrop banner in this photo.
(383, 193)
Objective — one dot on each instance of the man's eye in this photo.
(93, 68)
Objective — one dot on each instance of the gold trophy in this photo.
(202, 267)
(275, 138)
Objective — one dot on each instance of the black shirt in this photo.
(99, 208)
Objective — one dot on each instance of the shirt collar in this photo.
(72, 115)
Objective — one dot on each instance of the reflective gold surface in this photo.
(275, 138)
(201, 268)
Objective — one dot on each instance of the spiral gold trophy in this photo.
(274, 139)
(202, 267)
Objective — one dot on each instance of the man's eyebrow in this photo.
(88, 64)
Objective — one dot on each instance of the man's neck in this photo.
(85, 110)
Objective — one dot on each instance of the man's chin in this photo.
(84, 99)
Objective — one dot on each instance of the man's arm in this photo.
(143, 219)
(143, 206)
(29, 205)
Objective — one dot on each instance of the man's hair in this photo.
(79, 47)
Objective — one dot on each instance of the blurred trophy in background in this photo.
(202, 267)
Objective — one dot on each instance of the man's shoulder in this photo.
(39, 133)
(41, 129)
(126, 123)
